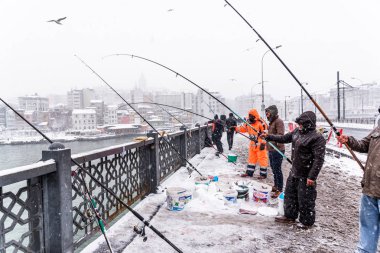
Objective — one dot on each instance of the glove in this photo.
(253, 138)
(262, 146)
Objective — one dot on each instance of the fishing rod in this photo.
(178, 74)
(146, 223)
(154, 103)
(142, 117)
(197, 114)
(87, 193)
(209, 107)
(185, 127)
(170, 114)
(300, 84)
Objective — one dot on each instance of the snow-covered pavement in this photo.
(208, 224)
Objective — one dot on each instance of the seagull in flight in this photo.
(57, 21)
(171, 10)
(232, 79)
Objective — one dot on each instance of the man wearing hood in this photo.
(276, 127)
(217, 132)
(230, 123)
(257, 153)
(369, 222)
(308, 152)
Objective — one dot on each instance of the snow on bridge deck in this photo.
(208, 225)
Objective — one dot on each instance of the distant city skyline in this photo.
(317, 38)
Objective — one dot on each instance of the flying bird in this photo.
(57, 21)
(232, 79)
(171, 10)
(257, 40)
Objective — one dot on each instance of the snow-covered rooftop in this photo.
(84, 111)
(123, 126)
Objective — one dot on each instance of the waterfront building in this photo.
(83, 119)
(80, 99)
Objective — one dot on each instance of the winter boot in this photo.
(302, 226)
(250, 171)
(263, 173)
(284, 219)
(275, 194)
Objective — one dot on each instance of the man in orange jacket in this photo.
(257, 152)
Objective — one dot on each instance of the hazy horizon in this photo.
(203, 40)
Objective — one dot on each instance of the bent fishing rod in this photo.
(197, 114)
(300, 84)
(142, 117)
(170, 106)
(146, 223)
(198, 86)
(170, 114)
(185, 127)
(87, 193)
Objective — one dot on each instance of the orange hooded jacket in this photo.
(260, 126)
(255, 155)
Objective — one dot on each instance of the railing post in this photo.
(183, 145)
(57, 201)
(35, 198)
(199, 141)
(154, 162)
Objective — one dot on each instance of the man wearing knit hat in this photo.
(276, 127)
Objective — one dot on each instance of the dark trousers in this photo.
(300, 199)
(216, 138)
(230, 139)
(275, 160)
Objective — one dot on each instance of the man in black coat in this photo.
(230, 124)
(217, 132)
(308, 152)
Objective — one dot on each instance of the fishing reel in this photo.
(140, 230)
(253, 138)
(89, 215)
(189, 170)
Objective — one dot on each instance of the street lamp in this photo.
(285, 107)
(354, 78)
(262, 80)
(253, 105)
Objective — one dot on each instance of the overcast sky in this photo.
(201, 39)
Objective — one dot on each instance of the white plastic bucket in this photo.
(261, 193)
(281, 204)
(230, 196)
(202, 181)
(177, 198)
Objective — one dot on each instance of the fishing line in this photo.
(146, 223)
(300, 84)
(92, 203)
(142, 117)
(198, 86)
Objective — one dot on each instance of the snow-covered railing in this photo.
(42, 208)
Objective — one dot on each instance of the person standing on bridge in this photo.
(217, 133)
(308, 156)
(230, 124)
(369, 223)
(257, 152)
(276, 127)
